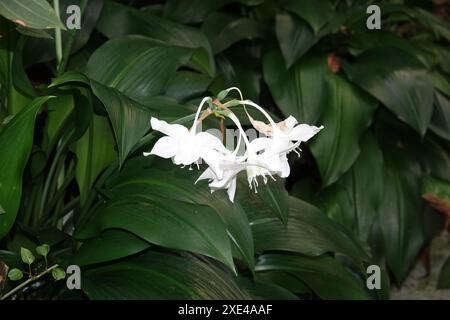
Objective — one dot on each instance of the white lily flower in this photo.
(186, 147)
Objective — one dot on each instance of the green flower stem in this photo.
(27, 282)
(58, 37)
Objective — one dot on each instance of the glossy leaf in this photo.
(364, 183)
(143, 23)
(94, 152)
(401, 213)
(399, 81)
(138, 177)
(37, 14)
(166, 222)
(315, 13)
(299, 91)
(308, 231)
(135, 65)
(440, 121)
(346, 115)
(295, 37)
(157, 275)
(224, 30)
(193, 11)
(11, 167)
(325, 275)
(112, 244)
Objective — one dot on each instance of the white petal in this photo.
(285, 169)
(174, 130)
(206, 139)
(165, 147)
(287, 124)
(206, 175)
(232, 190)
(212, 158)
(259, 144)
(304, 132)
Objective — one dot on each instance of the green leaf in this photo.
(346, 115)
(316, 13)
(15, 274)
(324, 275)
(143, 23)
(16, 140)
(437, 190)
(37, 14)
(35, 33)
(136, 65)
(193, 11)
(444, 276)
(59, 110)
(142, 177)
(2, 211)
(308, 231)
(401, 213)
(364, 183)
(43, 250)
(298, 91)
(264, 290)
(110, 245)
(295, 37)
(399, 81)
(166, 222)
(223, 30)
(58, 274)
(27, 256)
(94, 151)
(440, 121)
(158, 275)
(186, 85)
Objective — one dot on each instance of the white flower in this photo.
(187, 147)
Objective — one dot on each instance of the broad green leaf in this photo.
(37, 14)
(444, 276)
(136, 65)
(347, 112)
(326, 276)
(110, 245)
(193, 11)
(59, 110)
(223, 30)
(58, 274)
(15, 274)
(264, 290)
(167, 108)
(166, 222)
(364, 184)
(308, 231)
(316, 13)
(94, 152)
(284, 280)
(275, 196)
(399, 81)
(43, 250)
(295, 38)
(300, 90)
(401, 213)
(186, 85)
(142, 176)
(440, 121)
(143, 23)
(16, 140)
(158, 275)
(129, 119)
(27, 256)
(34, 33)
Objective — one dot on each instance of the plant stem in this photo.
(58, 37)
(25, 283)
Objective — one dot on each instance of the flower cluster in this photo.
(263, 157)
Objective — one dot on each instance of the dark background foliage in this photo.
(371, 188)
